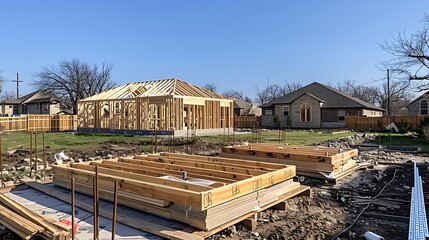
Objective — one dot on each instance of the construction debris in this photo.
(27, 224)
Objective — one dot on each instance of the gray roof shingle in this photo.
(333, 98)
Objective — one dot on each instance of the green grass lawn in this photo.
(289, 137)
(66, 141)
(399, 139)
(61, 141)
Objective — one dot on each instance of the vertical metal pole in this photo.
(35, 155)
(1, 163)
(95, 203)
(72, 208)
(44, 157)
(31, 151)
(115, 209)
(388, 92)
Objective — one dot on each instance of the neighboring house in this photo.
(163, 106)
(243, 108)
(38, 102)
(419, 106)
(315, 106)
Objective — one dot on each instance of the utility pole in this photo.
(388, 92)
(17, 85)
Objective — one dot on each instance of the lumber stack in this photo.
(28, 224)
(332, 163)
(204, 192)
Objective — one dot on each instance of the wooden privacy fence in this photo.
(246, 121)
(39, 122)
(380, 123)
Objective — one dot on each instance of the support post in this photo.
(35, 155)
(31, 150)
(72, 209)
(44, 156)
(95, 203)
(1, 163)
(115, 208)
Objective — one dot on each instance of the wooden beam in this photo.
(138, 223)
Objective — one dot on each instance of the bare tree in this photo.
(75, 79)
(210, 86)
(364, 93)
(400, 96)
(273, 91)
(262, 96)
(234, 94)
(7, 95)
(237, 94)
(290, 87)
(410, 54)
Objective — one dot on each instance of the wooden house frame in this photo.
(169, 106)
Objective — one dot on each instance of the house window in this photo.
(286, 111)
(45, 106)
(268, 112)
(424, 107)
(342, 115)
(305, 112)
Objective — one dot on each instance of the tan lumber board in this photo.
(316, 167)
(349, 169)
(231, 191)
(279, 154)
(140, 177)
(203, 165)
(21, 226)
(139, 205)
(313, 154)
(138, 223)
(291, 193)
(181, 196)
(150, 171)
(292, 156)
(294, 192)
(209, 159)
(304, 149)
(196, 170)
(30, 215)
(223, 160)
(206, 159)
(107, 186)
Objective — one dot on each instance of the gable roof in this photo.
(21, 99)
(42, 96)
(333, 98)
(309, 94)
(240, 103)
(164, 87)
(419, 97)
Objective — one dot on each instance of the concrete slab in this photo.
(58, 210)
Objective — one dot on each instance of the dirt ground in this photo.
(331, 208)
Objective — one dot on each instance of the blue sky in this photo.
(234, 44)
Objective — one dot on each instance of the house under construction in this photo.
(169, 106)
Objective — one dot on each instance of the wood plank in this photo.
(30, 215)
(140, 177)
(196, 170)
(190, 163)
(158, 172)
(181, 196)
(138, 223)
(19, 225)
